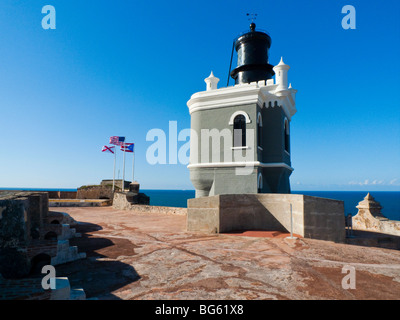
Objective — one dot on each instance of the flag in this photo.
(108, 149)
(127, 147)
(118, 141)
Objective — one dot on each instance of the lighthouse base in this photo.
(308, 217)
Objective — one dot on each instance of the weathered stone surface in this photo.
(22, 217)
(28, 236)
(13, 231)
(369, 217)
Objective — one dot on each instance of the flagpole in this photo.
(115, 158)
(133, 166)
(123, 173)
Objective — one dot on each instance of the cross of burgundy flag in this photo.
(108, 149)
(118, 141)
(127, 147)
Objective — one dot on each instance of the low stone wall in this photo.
(62, 194)
(374, 239)
(158, 209)
(121, 203)
(51, 194)
(95, 192)
(313, 217)
(390, 227)
(79, 203)
(118, 183)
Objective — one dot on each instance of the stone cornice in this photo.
(240, 164)
(241, 95)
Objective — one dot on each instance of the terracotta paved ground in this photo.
(150, 256)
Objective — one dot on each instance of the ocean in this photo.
(390, 201)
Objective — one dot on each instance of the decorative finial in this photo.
(211, 82)
(252, 17)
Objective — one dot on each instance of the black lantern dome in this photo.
(252, 57)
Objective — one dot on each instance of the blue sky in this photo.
(125, 67)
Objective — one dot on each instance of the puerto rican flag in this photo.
(118, 141)
(108, 149)
(127, 147)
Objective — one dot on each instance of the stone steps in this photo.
(67, 232)
(66, 253)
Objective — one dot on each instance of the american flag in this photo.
(127, 147)
(108, 149)
(118, 141)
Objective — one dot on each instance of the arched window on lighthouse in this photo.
(239, 131)
(238, 121)
(287, 137)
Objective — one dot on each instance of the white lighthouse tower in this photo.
(245, 126)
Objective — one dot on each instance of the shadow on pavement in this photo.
(99, 274)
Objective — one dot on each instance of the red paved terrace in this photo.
(132, 255)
